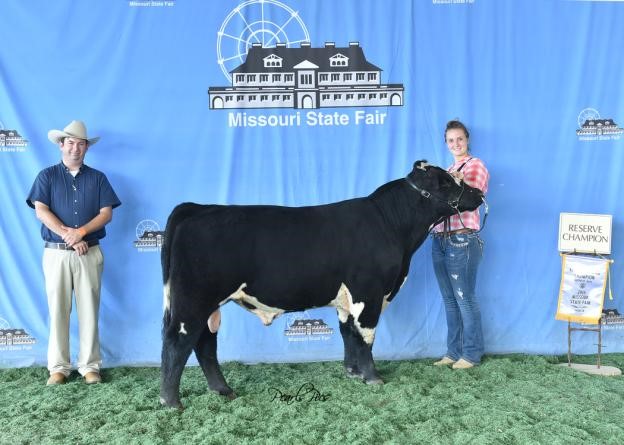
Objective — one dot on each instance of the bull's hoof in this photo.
(227, 393)
(230, 395)
(354, 373)
(172, 404)
(375, 381)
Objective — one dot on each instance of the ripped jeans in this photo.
(455, 261)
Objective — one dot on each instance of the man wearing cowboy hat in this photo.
(74, 202)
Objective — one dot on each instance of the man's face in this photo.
(74, 150)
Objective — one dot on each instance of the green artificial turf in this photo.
(511, 399)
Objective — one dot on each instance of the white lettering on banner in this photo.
(271, 120)
(312, 119)
(150, 3)
(581, 294)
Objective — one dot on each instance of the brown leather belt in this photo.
(460, 231)
(64, 246)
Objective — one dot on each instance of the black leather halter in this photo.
(452, 203)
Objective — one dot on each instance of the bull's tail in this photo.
(179, 214)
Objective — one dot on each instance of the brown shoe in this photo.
(56, 378)
(92, 377)
(462, 364)
(444, 361)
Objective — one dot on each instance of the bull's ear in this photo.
(421, 165)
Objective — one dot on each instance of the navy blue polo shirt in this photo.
(74, 200)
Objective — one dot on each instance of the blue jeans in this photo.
(455, 261)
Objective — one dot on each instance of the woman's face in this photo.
(457, 142)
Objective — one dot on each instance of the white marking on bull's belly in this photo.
(266, 313)
(404, 280)
(235, 295)
(345, 307)
(166, 296)
(385, 302)
(455, 276)
(460, 293)
(214, 321)
(182, 330)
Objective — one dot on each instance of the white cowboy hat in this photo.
(75, 129)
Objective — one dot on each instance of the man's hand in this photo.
(73, 236)
(81, 247)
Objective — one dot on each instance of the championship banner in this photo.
(583, 282)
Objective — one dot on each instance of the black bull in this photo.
(353, 255)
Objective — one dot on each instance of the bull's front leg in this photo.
(358, 352)
(349, 338)
(358, 320)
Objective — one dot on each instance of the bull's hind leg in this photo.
(358, 353)
(206, 352)
(179, 339)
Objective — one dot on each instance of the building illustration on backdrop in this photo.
(597, 127)
(150, 239)
(15, 337)
(11, 138)
(308, 327)
(305, 77)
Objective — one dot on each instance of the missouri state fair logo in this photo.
(11, 141)
(592, 127)
(14, 339)
(300, 326)
(270, 63)
(149, 237)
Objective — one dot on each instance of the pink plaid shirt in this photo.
(475, 175)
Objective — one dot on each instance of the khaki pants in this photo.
(65, 271)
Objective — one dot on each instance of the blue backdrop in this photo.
(539, 83)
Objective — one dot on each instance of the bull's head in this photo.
(448, 193)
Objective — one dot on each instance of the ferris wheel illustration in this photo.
(587, 114)
(267, 22)
(147, 225)
(4, 324)
(294, 316)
